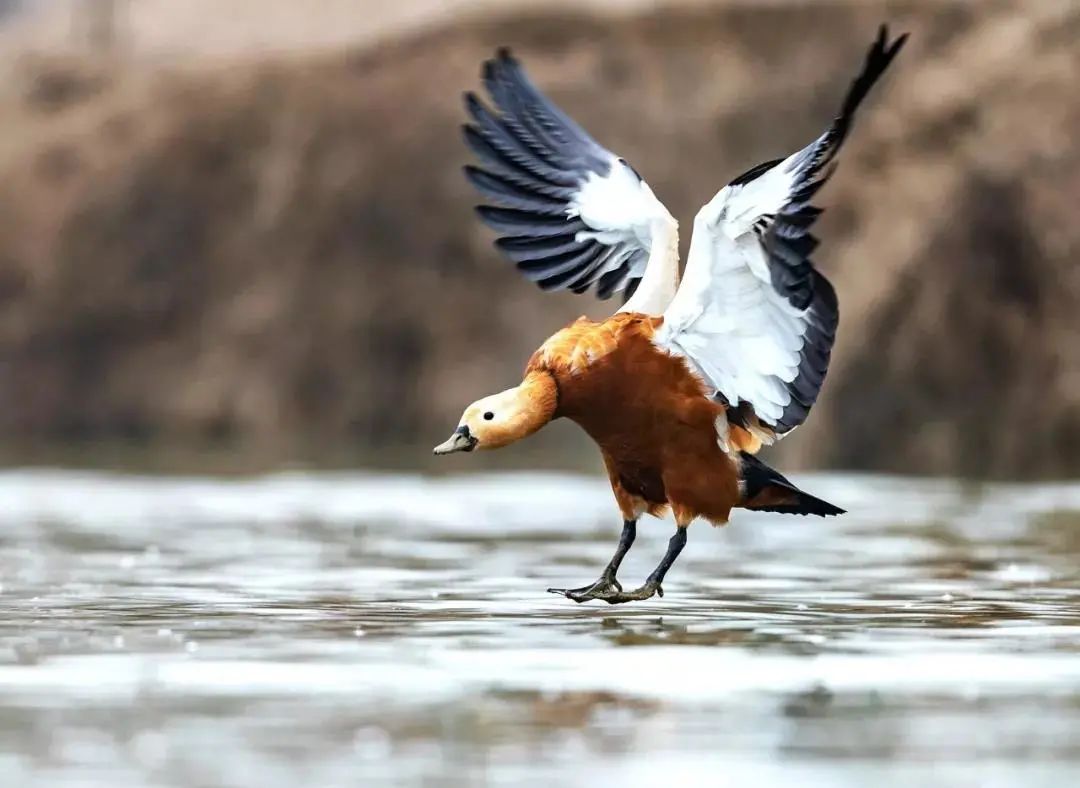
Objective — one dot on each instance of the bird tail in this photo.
(766, 490)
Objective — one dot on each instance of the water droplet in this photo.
(359, 632)
(127, 562)
(946, 597)
(164, 632)
(118, 641)
(191, 647)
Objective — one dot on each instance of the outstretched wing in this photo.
(752, 315)
(570, 214)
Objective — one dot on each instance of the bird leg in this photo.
(607, 582)
(614, 595)
(653, 583)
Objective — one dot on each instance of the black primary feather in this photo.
(512, 222)
(535, 159)
(788, 242)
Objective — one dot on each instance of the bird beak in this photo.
(461, 440)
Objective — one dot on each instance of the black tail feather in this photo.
(766, 490)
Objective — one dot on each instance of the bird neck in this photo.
(661, 279)
(538, 395)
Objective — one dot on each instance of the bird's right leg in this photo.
(607, 582)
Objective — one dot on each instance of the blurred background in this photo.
(243, 293)
(236, 236)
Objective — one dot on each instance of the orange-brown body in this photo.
(665, 441)
(650, 415)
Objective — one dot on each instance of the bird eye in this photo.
(489, 416)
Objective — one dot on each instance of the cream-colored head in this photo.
(500, 419)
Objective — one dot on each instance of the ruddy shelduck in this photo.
(687, 381)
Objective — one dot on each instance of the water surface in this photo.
(339, 630)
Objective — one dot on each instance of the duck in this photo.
(693, 375)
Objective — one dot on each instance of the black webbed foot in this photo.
(646, 591)
(607, 588)
(598, 590)
(610, 592)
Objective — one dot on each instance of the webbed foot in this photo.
(611, 592)
(647, 591)
(601, 589)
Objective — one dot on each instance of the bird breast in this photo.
(627, 393)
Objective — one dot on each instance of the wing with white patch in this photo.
(570, 214)
(752, 315)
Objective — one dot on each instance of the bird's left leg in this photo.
(631, 507)
(653, 583)
(607, 584)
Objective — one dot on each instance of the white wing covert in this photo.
(570, 213)
(752, 316)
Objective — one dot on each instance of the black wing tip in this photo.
(503, 65)
(878, 57)
(471, 135)
(754, 172)
(883, 37)
(503, 57)
(475, 107)
(472, 102)
(489, 212)
(883, 51)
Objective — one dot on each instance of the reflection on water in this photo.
(345, 630)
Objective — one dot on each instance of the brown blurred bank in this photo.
(241, 228)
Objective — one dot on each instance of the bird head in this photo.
(501, 419)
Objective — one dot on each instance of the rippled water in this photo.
(331, 630)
